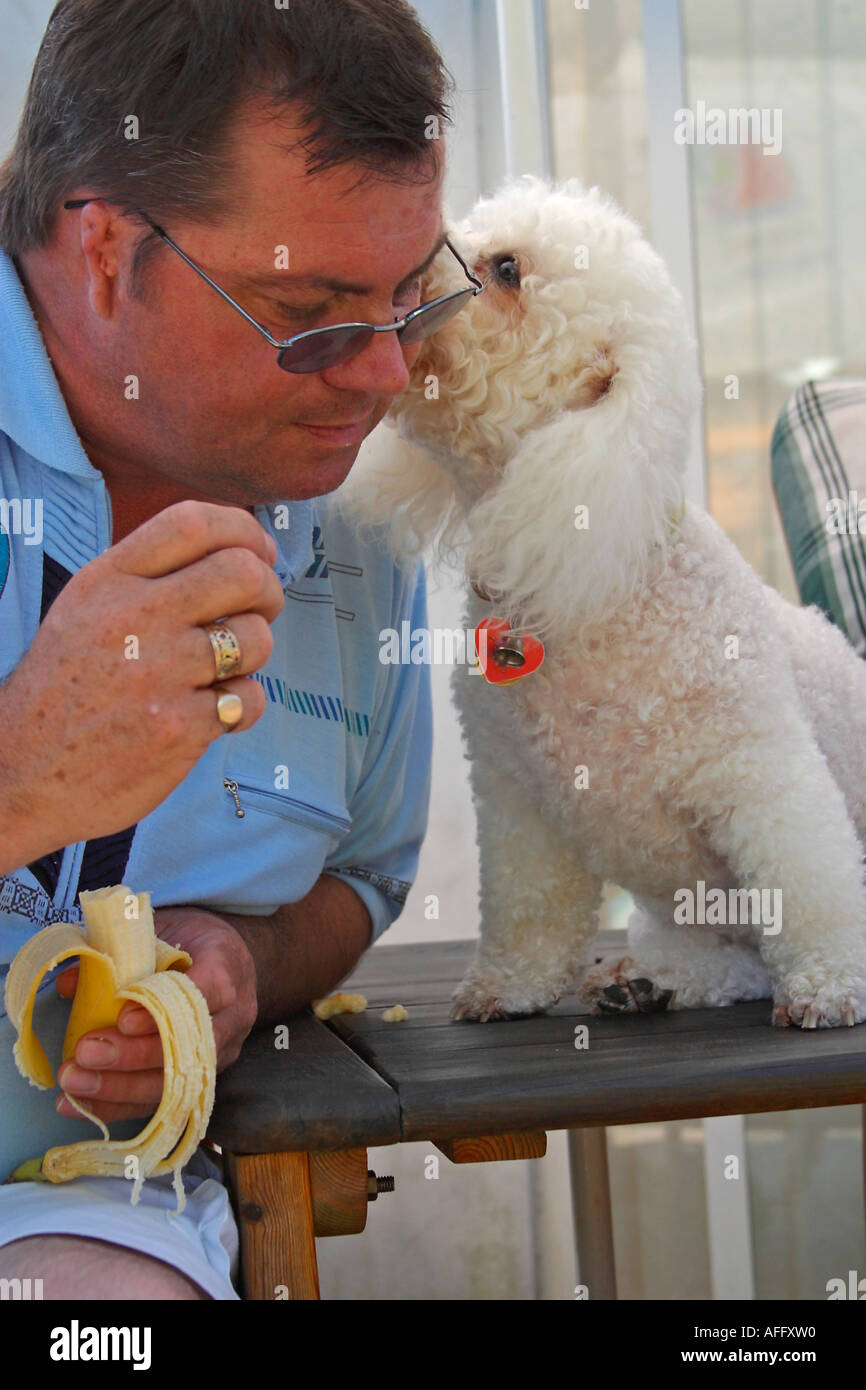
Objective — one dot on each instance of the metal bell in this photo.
(509, 652)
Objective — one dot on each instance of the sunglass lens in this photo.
(429, 319)
(324, 348)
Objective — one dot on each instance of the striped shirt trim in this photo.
(397, 889)
(314, 704)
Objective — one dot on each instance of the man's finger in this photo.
(141, 1089)
(187, 531)
(219, 586)
(107, 1111)
(134, 1020)
(66, 983)
(107, 1049)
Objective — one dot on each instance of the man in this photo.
(284, 154)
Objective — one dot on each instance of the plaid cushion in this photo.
(819, 478)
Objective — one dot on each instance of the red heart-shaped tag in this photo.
(495, 630)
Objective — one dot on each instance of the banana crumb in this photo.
(396, 1014)
(339, 1004)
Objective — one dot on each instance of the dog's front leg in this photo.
(778, 817)
(539, 909)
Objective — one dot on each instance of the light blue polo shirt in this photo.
(335, 775)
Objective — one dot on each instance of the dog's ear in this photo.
(398, 492)
(582, 508)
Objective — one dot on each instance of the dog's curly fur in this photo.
(736, 764)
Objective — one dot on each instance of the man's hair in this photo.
(363, 78)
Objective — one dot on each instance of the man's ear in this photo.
(104, 243)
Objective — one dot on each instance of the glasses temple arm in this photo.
(82, 202)
(227, 297)
(160, 232)
(470, 275)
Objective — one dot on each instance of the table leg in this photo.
(863, 1150)
(274, 1210)
(590, 1197)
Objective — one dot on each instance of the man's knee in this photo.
(84, 1268)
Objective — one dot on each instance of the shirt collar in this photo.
(294, 542)
(33, 413)
(32, 409)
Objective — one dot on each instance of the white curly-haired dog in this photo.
(690, 734)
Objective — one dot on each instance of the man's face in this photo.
(215, 414)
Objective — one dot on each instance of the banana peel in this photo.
(120, 959)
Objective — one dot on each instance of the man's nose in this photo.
(381, 368)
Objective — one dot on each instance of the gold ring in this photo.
(226, 649)
(230, 711)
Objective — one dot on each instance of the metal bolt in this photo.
(375, 1185)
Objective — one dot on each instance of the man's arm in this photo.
(305, 948)
(261, 969)
(296, 955)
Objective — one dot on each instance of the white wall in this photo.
(22, 24)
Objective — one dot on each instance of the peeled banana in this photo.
(120, 959)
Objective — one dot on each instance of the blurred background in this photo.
(768, 254)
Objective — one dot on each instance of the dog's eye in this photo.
(507, 271)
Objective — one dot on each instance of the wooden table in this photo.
(294, 1122)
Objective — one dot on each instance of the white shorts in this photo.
(201, 1241)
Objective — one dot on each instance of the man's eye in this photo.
(409, 296)
(298, 312)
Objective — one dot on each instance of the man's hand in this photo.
(124, 1065)
(112, 705)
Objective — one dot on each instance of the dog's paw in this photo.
(829, 1006)
(618, 986)
(485, 993)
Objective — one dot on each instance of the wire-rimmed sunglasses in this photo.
(319, 348)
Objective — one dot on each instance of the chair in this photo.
(818, 455)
